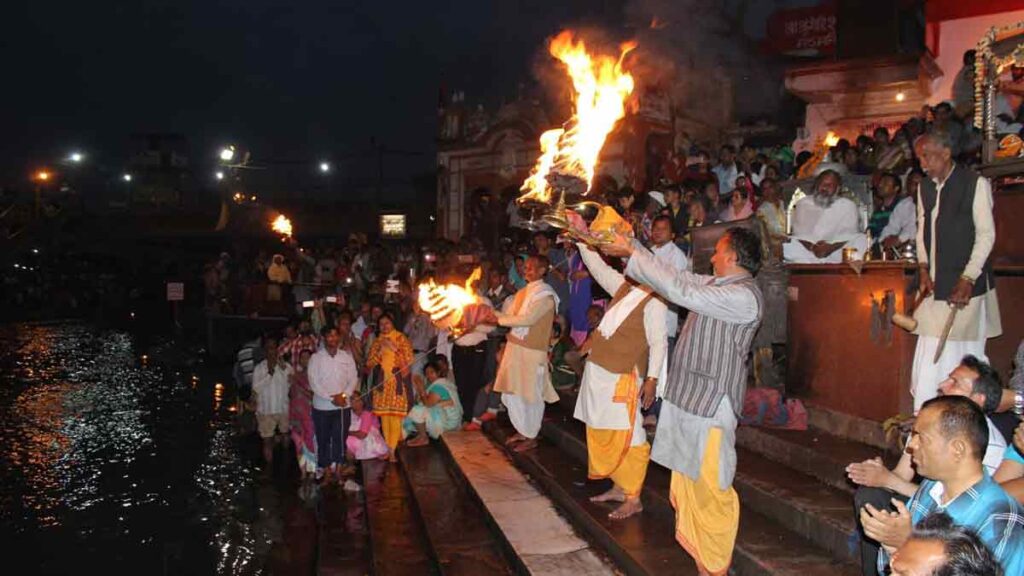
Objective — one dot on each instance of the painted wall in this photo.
(955, 38)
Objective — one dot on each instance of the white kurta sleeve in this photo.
(693, 291)
(657, 337)
(922, 252)
(600, 271)
(984, 229)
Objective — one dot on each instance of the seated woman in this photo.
(364, 441)
(438, 409)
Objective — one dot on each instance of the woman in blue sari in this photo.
(438, 409)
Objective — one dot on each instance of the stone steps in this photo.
(538, 539)
(398, 545)
(813, 452)
(454, 524)
(790, 523)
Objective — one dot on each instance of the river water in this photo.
(120, 454)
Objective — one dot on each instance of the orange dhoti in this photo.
(707, 517)
(622, 455)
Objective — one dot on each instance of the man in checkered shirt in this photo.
(947, 445)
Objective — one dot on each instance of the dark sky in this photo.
(290, 78)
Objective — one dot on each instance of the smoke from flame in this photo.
(601, 88)
(282, 225)
(448, 302)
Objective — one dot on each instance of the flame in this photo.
(657, 24)
(282, 225)
(831, 139)
(448, 301)
(601, 88)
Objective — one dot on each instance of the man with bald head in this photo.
(955, 235)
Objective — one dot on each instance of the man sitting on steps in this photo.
(878, 485)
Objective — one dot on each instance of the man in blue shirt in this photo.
(947, 445)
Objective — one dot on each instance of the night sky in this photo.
(291, 79)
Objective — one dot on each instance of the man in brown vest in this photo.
(630, 338)
(523, 378)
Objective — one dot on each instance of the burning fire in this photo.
(601, 88)
(282, 225)
(448, 303)
(831, 139)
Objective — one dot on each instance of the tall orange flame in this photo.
(601, 88)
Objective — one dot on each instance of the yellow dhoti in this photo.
(707, 518)
(611, 453)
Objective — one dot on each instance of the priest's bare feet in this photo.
(526, 444)
(629, 507)
(418, 441)
(514, 439)
(613, 495)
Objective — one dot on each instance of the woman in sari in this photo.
(438, 410)
(364, 440)
(300, 415)
(390, 360)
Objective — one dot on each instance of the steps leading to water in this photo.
(398, 544)
(783, 530)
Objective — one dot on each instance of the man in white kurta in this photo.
(610, 400)
(523, 378)
(824, 223)
(978, 316)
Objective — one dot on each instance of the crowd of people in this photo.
(642, 341)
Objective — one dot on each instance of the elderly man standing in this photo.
(824, 223)
(523, 379)
(696, 434)
(955, 234)
(628, 347)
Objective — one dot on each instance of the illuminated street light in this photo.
(41, 176)
(325, 167)
(219, 175)
(227, 154)
(126, 177)
(76, 157)
(900, 96)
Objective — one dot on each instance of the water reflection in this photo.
(110, 458)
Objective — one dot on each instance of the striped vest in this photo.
(710, 359)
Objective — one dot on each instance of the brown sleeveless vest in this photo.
(628, 346)
(538, 336)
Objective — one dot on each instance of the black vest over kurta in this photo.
(954, 231)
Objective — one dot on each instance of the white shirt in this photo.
(996, 448)
(358, 327)
(330, 376)
(726, 176)
(902, 221)
(672, 255)
(836, 223)
(271, 389)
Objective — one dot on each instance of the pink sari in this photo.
(300, 417)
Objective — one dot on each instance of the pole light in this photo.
(76, 157)
(325, 167)
(227, 154)
(126, 177)
(219, 175)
